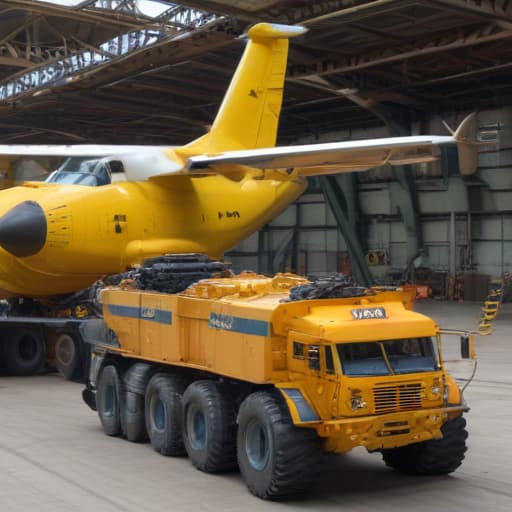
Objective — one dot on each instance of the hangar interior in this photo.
(154, 72)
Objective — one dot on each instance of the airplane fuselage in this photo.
(93, 231)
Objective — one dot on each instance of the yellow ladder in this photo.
(490, 311)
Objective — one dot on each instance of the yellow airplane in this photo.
(203, 197)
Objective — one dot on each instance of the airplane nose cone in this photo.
(23, 229)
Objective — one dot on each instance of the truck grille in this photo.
(400, 397)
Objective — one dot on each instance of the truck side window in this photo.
(314, 357)
(329, 362)
(298, 350)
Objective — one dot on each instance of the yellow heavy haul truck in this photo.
(248, 371)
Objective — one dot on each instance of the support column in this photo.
(346, 216)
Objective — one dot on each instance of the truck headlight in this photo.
(357, 402)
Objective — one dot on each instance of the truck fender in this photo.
(454, 392)
(300, 407)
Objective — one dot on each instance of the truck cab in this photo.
(368, 367)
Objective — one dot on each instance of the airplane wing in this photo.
(145, 162)
(314, 159)
(348, 156)
(139, 162)
(85, 150)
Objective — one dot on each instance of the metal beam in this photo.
(220, 8)
(465, 74)
(86, 63)
(496, 9)
(337, 201)
(73, 136)
(28, 21)
(328, 10)
(129, 6)
(483, 34)
(407, 196)
(325, 11)
(15, 62)
(47, 9)
(326, 85)
(397, 123)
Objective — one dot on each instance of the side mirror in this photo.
(466, 347)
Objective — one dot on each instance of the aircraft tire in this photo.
(434, 457)
(209, 426)
(276, 459)
(164, 413)
(108, 399)
(67, 356)
(23, 351)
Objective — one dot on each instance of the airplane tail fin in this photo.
(249, 114)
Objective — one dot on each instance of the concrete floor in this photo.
(54, 456)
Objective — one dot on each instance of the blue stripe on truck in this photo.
(239, 324)
(160, 316)
(126, 311)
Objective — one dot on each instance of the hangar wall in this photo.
(466, 222)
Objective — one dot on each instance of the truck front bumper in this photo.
(385, 431)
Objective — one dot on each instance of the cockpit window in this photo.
(92, 172)
(73, 178)
(388, 357)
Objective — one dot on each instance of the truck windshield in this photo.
(388, 357)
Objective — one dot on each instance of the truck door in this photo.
(312, 363)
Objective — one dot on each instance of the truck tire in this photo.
(23, 351)
(209, 426)
(108, 400)
(434, 457)
(163, 414)
(67, 356)
(276, 459)
(133, 415)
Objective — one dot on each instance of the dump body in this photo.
(360, 370)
